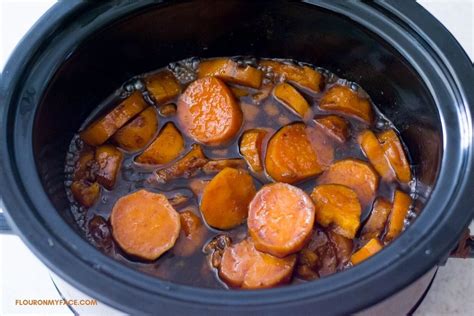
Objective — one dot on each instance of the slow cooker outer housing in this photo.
(32, 193)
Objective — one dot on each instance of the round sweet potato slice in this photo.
(281, 218)
(342, 99)
(208, 112)
(355, 174)
(339, 205)
(297, 152)
(368, 250)
(395, 154)
(225, 200)
(375, 153)
(335, 126)
(145, 224)
(243, 266)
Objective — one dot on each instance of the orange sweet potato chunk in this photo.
(145, 224)
(355, 174)
(228, 70)
(401, 205)
(162, 86)
(137, 133)
(103, 128)
(343, 247)
(334, 126)
(396, 155)
(375, 226)
(251, 148)
(208, 112)
(243, 266)
(281, 218)
(85, 166)
(303, 76)
(375, 153)
(291, 98)
(109, 160)
(296, 153)
(339, 205)
(342, 99)
(185, 167)
(192, 234)
(86, 193)
(370, 248)
(225, 200)
(165, 148)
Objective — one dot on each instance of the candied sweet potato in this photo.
(342, 99)
(86, 166)
(339, 205)
(109, 160)
(375, 153)
(165, 148)
(162, 86)
(168, 110)
(251, 148)
(217, 165)
(137, 133)
(396, 155)
(243, 266)
(368, 250)
(355, 174)
(401, 206)
(291, 98)
(86, 193)
(343, 247)
(225, 200)
(228, 70)
(334, 126)
(239, 92)
(208, 112)
(185, 167)
(303, 76)
(296, 153)
(375, 225)
(145, 224)
(281, 218)
(192, 235)
(102, 129)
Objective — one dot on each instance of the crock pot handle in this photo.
(465, 247)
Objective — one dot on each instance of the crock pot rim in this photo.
(43, 247)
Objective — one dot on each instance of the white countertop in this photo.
(23, 276)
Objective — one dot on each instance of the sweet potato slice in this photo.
(334, 126)
(208, 112)
(239, 92)
(296, 153)
(303, 76)
(281, 218)
(102, 129)
(145, 224)
(291, 98)
(342, 99)
(375, 153)
(370, 248)
(213, 166)
(192, 235)
(168, 110)
(228, 70)
(339, 205)
(243, 266)
(109, 160)
(166, 147)
(225, 200)
(86, 193)
(137, 133)
(251, 148)
(401, 205)
(185, 167)
(396, 155)
(86, 166)
(355, 174)
(162, 86)
(374, 227)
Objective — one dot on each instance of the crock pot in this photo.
(80, 51)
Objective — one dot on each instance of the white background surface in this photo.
(22, 276)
